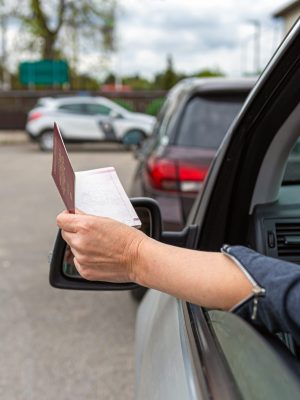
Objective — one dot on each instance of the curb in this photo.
(13, 137)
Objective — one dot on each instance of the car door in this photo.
(192, 353)
(77, 123)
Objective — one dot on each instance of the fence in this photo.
(14, 105)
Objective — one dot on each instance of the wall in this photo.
(14, 105)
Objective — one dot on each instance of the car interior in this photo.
(275, 206)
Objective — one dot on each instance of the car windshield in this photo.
(206, 120)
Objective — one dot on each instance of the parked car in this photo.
(173, 163)
(86, 119)
(250, 197)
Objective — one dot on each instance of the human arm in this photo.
(108, 250)
(278, 306)
(265, 291)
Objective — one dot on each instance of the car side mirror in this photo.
(115, 115)
(63, 274)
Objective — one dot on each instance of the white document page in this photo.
(100, 192)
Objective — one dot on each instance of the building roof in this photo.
(286, 9)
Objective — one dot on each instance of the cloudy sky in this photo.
(196, 33)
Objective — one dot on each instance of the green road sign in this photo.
(44, 72)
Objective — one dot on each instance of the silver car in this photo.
(86, 119)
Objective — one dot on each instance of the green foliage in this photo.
(166, 79)
(137, 83)
(83, 82)
(154, 107)
(125, 103)
(208, 73)
(91, 19)
(111, 78)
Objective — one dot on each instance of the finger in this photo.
(78, 267)
(68, 237)
(67, 222)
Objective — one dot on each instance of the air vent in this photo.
(288, 241)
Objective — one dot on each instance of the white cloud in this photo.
(198, 34)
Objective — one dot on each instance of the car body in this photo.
(251, 197)
(193, 121)
(86, 119)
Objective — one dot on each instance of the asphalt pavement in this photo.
(55, 344)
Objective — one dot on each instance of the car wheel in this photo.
(46, 141)
(133, 138)
(138, 293)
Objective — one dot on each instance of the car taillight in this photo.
(34, 115)
(173, 175)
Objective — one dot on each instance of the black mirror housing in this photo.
(150, 216)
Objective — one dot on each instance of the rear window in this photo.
(206, 120)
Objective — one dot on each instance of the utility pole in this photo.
(3, 49)
(5, 81)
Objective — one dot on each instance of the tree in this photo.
(136, 82)
(208, 73)
(46, 21)
(168, 78)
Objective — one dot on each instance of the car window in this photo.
(250, 358)
(94, 109)
(206, 120)
(162, 124)
(76, 108)
(292, 172)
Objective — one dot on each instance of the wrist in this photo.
(138, 259)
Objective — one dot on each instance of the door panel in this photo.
(79, 127)
(164, 369)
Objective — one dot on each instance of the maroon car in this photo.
(190, 127)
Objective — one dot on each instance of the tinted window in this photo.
(206, 120)
(94, 109)
(75, 108)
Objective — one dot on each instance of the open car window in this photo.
(250, 357)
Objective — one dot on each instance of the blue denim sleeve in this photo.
(275, 302)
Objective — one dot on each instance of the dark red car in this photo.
(192, 123)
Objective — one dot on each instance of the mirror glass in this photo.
(69, 269)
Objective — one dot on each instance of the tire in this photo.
(137, 134)
(46, 141)
(138, 294)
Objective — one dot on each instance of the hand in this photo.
(103, 249)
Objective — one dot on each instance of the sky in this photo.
(198, 34)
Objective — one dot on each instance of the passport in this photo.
(62, 171)
(97, 191)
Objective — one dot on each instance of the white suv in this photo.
(86, 119)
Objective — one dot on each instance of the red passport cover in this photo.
(62, 171)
